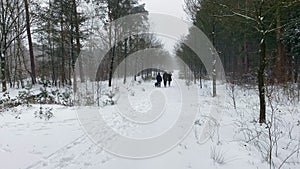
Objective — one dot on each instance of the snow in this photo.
(28, 139)
(27, 142)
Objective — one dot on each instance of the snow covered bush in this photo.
(38, 95)
(276, 141)
(45, 114)
(44, 97)
(7, 102)
(109, 99)
(65, 97)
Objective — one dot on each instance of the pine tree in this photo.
(244, 21)
(110, 11)
(60, 26)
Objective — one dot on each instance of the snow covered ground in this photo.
(236, 140)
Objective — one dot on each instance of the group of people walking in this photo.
(166, 78)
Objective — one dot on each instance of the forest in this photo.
(79, 84)
(43, 39)
(257, 42)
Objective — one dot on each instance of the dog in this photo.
(156, 84)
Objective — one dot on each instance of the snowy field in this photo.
(236, 140)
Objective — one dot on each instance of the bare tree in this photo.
(8, 18)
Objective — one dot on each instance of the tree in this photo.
(262, 18)
(61, 30)
(109, 11)
(258, 15)
(291, 40)
(30, 42)
(78, 46)
(9, 15)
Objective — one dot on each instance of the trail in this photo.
(27, 142)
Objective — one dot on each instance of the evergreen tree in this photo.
(60, 28)
(109, 11)
(291, 40)
(251, 27)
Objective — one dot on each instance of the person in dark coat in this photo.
(165, 78)
(169, 78)
(158, 79)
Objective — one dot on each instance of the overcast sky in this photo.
(169, 7)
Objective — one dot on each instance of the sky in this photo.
(169, 7)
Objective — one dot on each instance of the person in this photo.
(165, 78)
(169, 79)
(158, 79)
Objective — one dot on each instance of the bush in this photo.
(45, 114)
(44, 95)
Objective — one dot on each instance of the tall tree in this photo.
(78, 45)
(33, 76)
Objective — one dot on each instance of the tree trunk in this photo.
(33, 76)
(2, 48)
(3, 66)
(49, 38)
(111, 51)
(214, 73)
(63, 76)
(78, 45)
(72, 54)
(280, 69)
(295, 68)
(125, 65)
(246, 63)
(261, 80)
(112, 55)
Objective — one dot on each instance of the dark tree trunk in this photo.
(63, 75)
(111, 50)
(246, 62)
(261, 80)
(32, 63)
(3, 57)
(112, 55)
(3, 65)
(125, 64)
(72, 55)
(295, 68)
